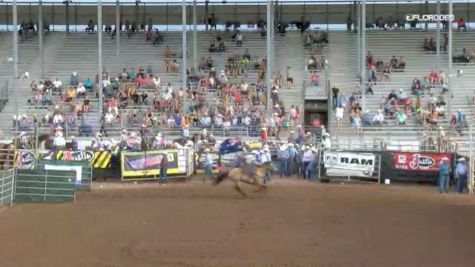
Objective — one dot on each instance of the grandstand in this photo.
(67, 48)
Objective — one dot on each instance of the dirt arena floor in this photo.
(294, 223)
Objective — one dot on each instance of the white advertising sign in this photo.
(349, 164)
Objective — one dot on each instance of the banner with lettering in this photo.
(99, 159)
(147, 163)
(344, 164)
(425, 162)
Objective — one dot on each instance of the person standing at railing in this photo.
(208, 162)
(164, 168)
(461, 174)
(444, 176)
(283, 156)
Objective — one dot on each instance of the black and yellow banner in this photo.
(99, 159)
(147, 163)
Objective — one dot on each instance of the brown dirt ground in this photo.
(293, 223)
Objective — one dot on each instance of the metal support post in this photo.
(450, 48)
(363, 54)
(195, 38)
(67, 15)
(438, 39)
(117, 30)
(184, 48)
(40, 37)
(99, 55)
(268, 75)
(15, 64)
(358, 37)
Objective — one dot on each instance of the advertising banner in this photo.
(349, 164)
(99, 159)
(25, 159)
(426, 162)
(147, 163)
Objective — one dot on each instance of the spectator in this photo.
(158, 37)
(378, 118)
(57, 85)
(239, 37)
(74, 80)
(290, 80)
(461, 24)
(315, 79)
(461, 174)
(401, 117)
(164, 168)
(59, 142)
(167, 53)
(80, 90)
(444, 176)
(90, 27)
(339, 111)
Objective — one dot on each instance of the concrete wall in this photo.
(169, 15)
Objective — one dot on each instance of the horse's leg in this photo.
(237, 186)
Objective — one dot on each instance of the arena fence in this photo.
(43, 185)
(7, 181)
(83, 170)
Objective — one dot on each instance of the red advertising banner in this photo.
(426, 162)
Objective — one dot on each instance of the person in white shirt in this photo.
(40, 86)
(81, 90)
(59, 141)
(206, 120)
(106, 83)
(108, 118)
(440, 110)
(379, 117)
(223, 77)
(218, 120)
(156, 82)
(57, 84)
(246, 121)
(226, 124)
(326, 142)
(339, 111)
(58, 119)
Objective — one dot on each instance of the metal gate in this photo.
(40, 185)
(7, 181)
(349, 164)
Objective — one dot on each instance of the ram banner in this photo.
(346, 164)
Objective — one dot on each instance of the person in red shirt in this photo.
(138, 81)
(113, 105)
(461, 24)
(433, 77)
(264, 134)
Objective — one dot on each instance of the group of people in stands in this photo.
(378, 66)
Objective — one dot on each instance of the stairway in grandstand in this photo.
(27, 59)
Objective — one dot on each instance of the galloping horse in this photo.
(240, 175)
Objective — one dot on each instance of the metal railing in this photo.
(7, 184)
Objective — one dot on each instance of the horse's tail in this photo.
(221, 177)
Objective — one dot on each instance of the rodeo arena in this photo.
(237, 133)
